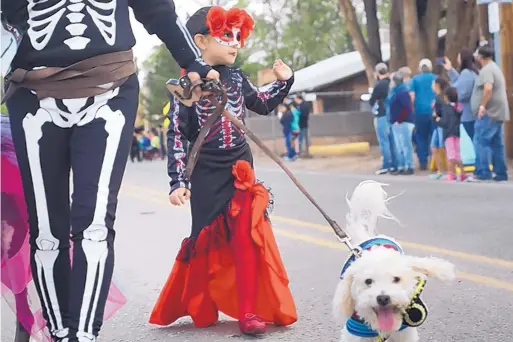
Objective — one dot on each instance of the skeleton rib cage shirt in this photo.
(58, 33)
(185, 122)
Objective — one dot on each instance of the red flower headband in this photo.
(220, 21)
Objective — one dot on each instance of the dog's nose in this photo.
(383, 300)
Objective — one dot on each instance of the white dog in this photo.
(378, 296)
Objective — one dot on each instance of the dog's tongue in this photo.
(386, 319)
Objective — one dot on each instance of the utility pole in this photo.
(506, 59)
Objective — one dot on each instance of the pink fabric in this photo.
(452, 148)
(17, 285)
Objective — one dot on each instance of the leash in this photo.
(182, 89)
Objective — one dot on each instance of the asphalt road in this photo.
(468, 224)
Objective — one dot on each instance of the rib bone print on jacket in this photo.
(187, 121)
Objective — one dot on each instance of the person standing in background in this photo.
(422, 96)
(406, 72)
(463, 81)
(489, 102)
(381, 121)
(304, 138)
(401, 118)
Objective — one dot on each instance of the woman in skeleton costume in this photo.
(72, 99)
(230, 262)
(17, 282)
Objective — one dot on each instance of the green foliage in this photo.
(160, 67)
(384, 10)
(300, 32)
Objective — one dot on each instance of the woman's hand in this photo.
(447, 64)
(180, 196)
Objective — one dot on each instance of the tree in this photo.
(160, 67)
(414, 27)
(301, 32)
(371, 53)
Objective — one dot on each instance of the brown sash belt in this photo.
(87, 78)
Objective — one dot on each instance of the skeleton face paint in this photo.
(230, 38)
(229, 28)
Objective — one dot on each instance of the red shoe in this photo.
(252, 325)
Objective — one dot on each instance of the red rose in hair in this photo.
(246, 28)
(234, 18)
(216, 21)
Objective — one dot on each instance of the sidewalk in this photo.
(366, 163)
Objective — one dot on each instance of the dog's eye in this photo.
(368, 282)
(397, 280)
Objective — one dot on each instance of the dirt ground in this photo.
(354, 163)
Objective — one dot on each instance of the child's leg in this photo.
(245, 259)
(452, 157)
(451, 166)
(435, 152)
(436, 145)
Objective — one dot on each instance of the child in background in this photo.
(450, 123)
(437, 139)
(286, 119)
(294, 125)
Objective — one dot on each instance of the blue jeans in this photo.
(469, 128)
(385, 141)
(423, 129)
(291, 152)
(304, 137)
(489, 142)
(403, 144)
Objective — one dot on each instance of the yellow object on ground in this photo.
(339, 149)
(466, 168)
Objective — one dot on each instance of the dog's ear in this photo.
(343, 302)
(433, 267)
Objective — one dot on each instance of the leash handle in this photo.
(215, 88)
(339, 232)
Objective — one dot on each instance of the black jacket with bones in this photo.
(62, 32)
(185, 122)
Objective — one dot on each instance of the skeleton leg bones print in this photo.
(91, 137)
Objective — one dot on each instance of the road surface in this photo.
(468, 224)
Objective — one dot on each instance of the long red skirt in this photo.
(226, 270)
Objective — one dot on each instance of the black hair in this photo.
(452, 94)
(300, 97)
(467, 60)
(486, 51)
(197, 23)
(442, 83)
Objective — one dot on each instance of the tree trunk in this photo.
(397, 50)
(373, 37)
(460, 19)
(411, 34)
(352, 26)
(484, 32)
(429, 24)
(474, 33)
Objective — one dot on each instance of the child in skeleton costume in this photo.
(72, 99)
(230, 262)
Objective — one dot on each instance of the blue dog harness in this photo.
(416, 313)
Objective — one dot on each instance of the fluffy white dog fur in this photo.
(379, 271)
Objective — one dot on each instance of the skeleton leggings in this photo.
(91, 137)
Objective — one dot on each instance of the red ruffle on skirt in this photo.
(203, 279)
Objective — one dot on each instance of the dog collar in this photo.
(414, 315)
(383, 241)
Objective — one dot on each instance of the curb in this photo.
(340, 149)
